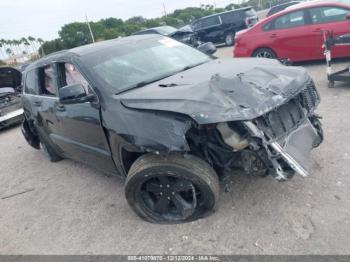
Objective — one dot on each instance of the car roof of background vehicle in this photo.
(293, 8)
(159, 29)
(221, 13)
(287, 3)
(273, 8)
(316, 4)
(300, 6)
(90, 48)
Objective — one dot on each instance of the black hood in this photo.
(10, 77)
(222, 90)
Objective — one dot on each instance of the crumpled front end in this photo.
(277, 143)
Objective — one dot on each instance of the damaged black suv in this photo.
(170, 119)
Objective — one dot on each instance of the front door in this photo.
(290, 37)
(78, 130)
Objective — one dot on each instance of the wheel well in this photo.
(264, 47)
(128, 158)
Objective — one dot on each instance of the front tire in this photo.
(265, 53)
(171, 189)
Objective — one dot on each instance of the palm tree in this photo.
(32, 42)
(1, 46)
(9, 51)
(41, 41)
(24, 42)
(17, 43)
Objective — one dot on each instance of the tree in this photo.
(1, 47)
(32, 43)
(41, 41)
(9, 51)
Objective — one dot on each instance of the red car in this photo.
(296, 33)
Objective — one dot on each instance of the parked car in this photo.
(296, 33)
(11, 111)
(277, 8)
(221, 28)
(170, 119)
(184, 34)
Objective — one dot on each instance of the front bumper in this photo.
(12, 117)
(293, 150)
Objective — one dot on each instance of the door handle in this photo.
(273, 36)
(37, 103)
(61, 108)
(317, 30)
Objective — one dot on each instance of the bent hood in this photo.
(222, 90)
(10, 78)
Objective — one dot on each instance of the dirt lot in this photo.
(74, 209)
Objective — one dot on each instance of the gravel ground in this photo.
(73, 209)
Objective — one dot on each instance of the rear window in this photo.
(229, 18)
(31, 83)
(207, 22)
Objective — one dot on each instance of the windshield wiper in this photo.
(191, 66)
(138, 85)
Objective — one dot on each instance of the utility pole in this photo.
(88, 24)
(164, 10)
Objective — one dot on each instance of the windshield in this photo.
(137, 63)
(166, 30)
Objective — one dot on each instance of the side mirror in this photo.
(207, 48)
(74, 94)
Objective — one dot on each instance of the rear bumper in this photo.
(11, 118)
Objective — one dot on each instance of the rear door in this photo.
(40, 95)
(290, 36)
(329, 19)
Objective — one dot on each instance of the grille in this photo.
(284, 119)
(287, 117)
(309, 97)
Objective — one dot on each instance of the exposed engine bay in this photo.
(277, 143)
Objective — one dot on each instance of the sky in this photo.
(44, 18)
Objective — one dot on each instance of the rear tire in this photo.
(171, 189)
(50, 152)
(265, 53)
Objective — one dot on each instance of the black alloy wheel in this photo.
(171, 189)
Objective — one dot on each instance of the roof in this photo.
(315, 4)
(229, 11)
(90, 48)
(303, 5)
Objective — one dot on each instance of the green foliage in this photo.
(2, 63)
(53, 46)
(77, 33)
